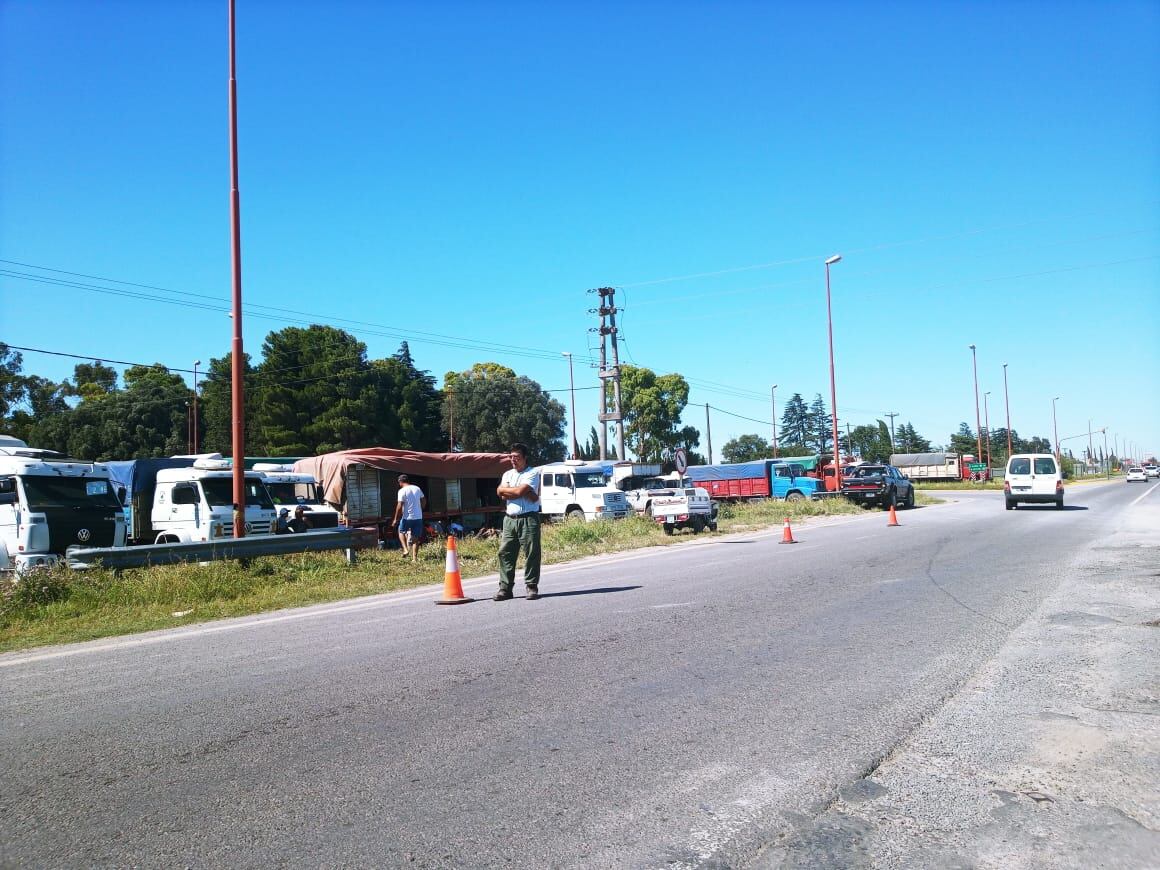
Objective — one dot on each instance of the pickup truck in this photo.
(673, 502)
(881, 485)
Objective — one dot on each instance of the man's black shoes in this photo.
(502, 595)
(533, 593)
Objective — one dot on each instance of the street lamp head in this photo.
(565, 353)
(197, 362)
(971, 346)
(774, 387)
(832, 260)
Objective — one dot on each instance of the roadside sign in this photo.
(680, 460)
(977, 466)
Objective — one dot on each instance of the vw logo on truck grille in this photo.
(83, 535)
(249, 528)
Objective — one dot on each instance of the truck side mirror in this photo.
(121, 494)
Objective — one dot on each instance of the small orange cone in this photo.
(452, 582)
(893, 518)
(787, 534)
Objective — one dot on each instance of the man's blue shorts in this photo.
(415, 527)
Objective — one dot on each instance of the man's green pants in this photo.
(519, 533)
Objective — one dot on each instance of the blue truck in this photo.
(749, 481)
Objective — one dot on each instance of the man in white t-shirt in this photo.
(520, 488)
(409, 517)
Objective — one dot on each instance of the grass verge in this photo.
(63, 606)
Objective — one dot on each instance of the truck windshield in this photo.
(591, 479)
(219, 492)
(56, 492)
(282, 493)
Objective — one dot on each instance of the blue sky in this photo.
(459, 174)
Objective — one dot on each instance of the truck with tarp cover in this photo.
(936, 466)
(751, 481)
(362, 485)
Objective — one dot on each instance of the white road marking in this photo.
(1144, 495)
(675, 604)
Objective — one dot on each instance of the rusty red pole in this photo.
(833, 383)
(237, 404)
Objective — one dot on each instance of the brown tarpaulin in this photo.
(330, 468)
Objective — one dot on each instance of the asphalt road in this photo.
(702, 705)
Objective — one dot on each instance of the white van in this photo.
(1034, 478)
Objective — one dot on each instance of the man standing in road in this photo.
(409, 517)
(520, 488)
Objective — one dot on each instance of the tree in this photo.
(590, 449)
(964, 440)
(652, 406)
(216, 409)
(494, 408)
(795, 425)
(871, 442)
(907, 440)
(11, 381)
(93, 380)
(821, 425)
(746, 448)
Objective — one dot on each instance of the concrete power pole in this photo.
(891, 415)
(607, 312)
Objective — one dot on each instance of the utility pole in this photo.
(237, 402)
(451, 416)
(607, 330)
(708, 434)
(773, 402)
(891, 415)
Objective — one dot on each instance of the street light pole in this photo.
(1007, 403)
(1107, 456)
(1055, 429)
(978, 422)
(572, 390)
(196, 363)
(833, 383)
(773, 403)
(237, 408)
(987, 423)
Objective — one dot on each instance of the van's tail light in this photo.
(1059, 486)
(1007, 487)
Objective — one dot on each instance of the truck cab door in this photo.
(185, 499)
(9, 514)
(781, 480)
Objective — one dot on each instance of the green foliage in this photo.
(494, 408)
(907, 440)
(821, 425)
(872, 443)
(746, 448)
(796, 428)
(964, 440)
(652, 405)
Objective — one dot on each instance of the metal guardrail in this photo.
(321, 540)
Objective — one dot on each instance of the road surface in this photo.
(730, 702)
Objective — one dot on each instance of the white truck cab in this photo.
(578, 490)
(196, 503)
(50, 502)
(673, 501)
(290, 488)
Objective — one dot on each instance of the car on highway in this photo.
(1033, 478)
(882, 485)
(1152, 470)
(1136, 473)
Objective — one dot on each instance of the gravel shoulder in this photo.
(1049, 756)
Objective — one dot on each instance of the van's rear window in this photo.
(1021, 466)
(1045, 465)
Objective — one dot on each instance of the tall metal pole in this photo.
(833, 382)
(1107, 456)
(987, 423)
(451, 420)
(773, 402)
(978, 422)
(1007, 403)
(891, 415)
(196, 363)
(572, 390)
(1055, 429)
(1091, 455)
(237, 405)
(708, 434)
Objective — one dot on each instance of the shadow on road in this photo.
(1050, 507)
(599, 591)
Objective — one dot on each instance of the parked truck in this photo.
(362, 485)
(50, 502)
(291, 489)
(751, 481)
(184, 499)
(672, 501)
(578, 490)
(945, 467)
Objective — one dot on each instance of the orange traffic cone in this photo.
(893, 518)
(452, 582)
(787, 534)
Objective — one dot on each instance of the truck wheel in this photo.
(574, 514)
(794, 496)
(1010, 505)
(910, 498)
(668, 527)
(698, 525)
(1059, 503)
(891, 500)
